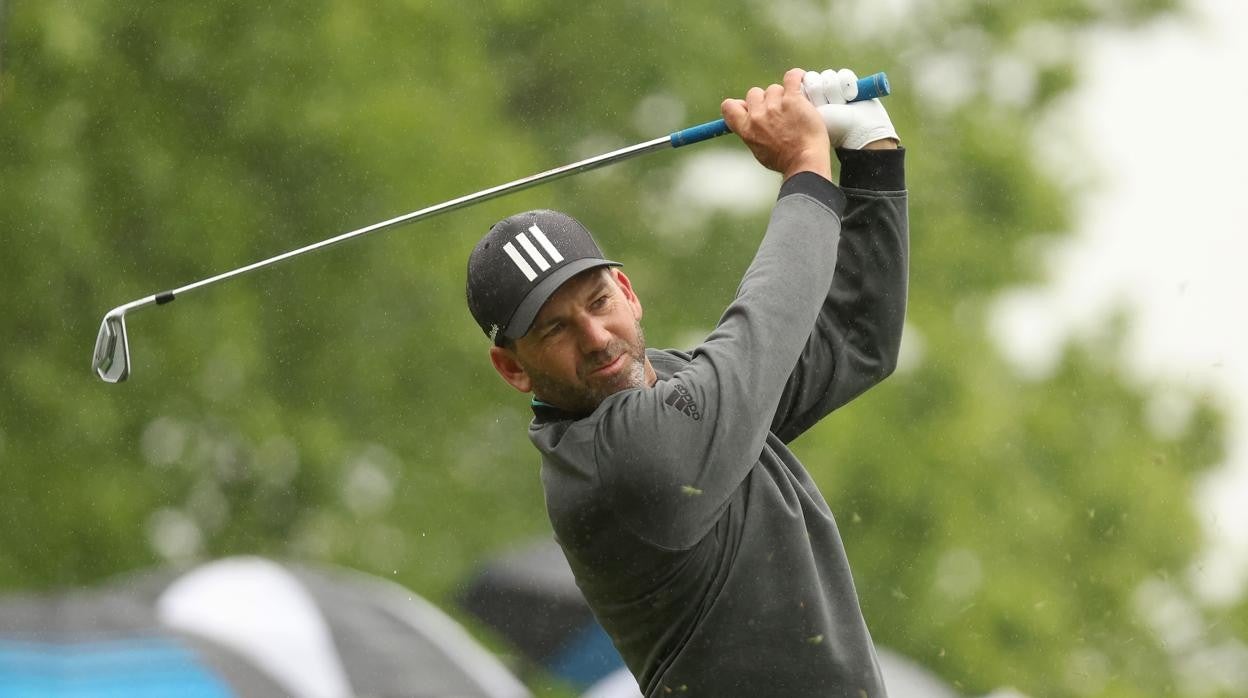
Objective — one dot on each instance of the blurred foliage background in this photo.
(1006, 530)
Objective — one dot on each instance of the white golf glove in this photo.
(850, 124)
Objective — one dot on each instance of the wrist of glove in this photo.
(850, 124)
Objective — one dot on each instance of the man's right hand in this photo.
(782, 128)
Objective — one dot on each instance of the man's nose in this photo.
(593, 334)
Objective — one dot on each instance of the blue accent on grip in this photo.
(871, 87)
(699, 133)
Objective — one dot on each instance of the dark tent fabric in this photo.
(241, 627)
(530, 597)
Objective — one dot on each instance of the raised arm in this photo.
(855, 341)
(672, 470)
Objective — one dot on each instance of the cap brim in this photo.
(522, 319)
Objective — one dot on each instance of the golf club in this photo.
(111, 359)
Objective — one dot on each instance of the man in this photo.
(701, 543)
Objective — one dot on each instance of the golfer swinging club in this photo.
(700, 542)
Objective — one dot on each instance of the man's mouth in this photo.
(609, 366)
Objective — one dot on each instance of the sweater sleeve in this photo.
(857, 336)
(671, 457)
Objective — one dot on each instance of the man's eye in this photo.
(599, 302)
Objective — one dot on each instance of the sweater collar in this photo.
(546, 412)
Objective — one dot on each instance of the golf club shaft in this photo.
(430, 211)
(868, 88)
(111, 359)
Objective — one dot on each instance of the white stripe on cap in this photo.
(521, 264)
(550, 249)
(533, 253)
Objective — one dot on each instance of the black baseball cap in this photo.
(520, 264)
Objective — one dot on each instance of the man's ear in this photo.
(626, 287)
(509, 368)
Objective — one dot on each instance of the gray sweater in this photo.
(700, 542)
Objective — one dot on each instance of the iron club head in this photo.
(112, 351)
(111, 359)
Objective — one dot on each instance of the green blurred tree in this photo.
(341, 409)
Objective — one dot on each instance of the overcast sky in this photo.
(1165, 234)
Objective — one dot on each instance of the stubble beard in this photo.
(587, 393)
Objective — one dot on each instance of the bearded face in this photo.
(620, 365)
(585, 344)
